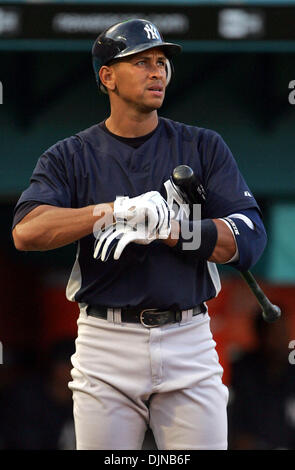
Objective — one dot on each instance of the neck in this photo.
(132, 125)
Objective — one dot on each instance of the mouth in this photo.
(156, 90)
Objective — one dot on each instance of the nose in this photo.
(157, 71)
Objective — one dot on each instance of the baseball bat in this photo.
(193, 192)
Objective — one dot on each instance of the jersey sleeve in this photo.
(50, 183)
(251, 240)
(226, 189)
(22, 210)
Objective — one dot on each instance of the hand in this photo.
(117, 237)
(149, 209)
(174, 196)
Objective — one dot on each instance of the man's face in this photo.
(140, 80)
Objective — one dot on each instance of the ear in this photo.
(107, 78)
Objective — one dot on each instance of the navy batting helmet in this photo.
(127, 38)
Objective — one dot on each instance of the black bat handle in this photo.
(270, 312)
(189, 185)
(193, 192)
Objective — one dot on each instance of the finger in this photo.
(168, 214)
(152, 217)
(165, 229)
(169, 192)
(124, 241)
(101, 240)
(111, 243)
(162, 217)
(158, 213)
(158, 221)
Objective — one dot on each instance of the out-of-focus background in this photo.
(237, 76)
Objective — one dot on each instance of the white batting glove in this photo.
(174, 198)
(149, 209)
(141, 220)
(117, 237)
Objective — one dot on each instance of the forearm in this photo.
(225, 246)
(48, 227)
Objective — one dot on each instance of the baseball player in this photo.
(144, 355)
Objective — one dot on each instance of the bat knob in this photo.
(271, 314)
(188, 184)
(182, 173)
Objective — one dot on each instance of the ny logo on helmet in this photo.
(151, 32)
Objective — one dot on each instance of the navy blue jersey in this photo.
(94, 167)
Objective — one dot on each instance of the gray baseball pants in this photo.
(126, 376)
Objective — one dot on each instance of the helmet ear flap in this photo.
(169, 71)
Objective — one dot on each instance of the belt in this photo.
(149, 317)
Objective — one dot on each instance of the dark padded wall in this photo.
(51, 95)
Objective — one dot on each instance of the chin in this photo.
(149, 107)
